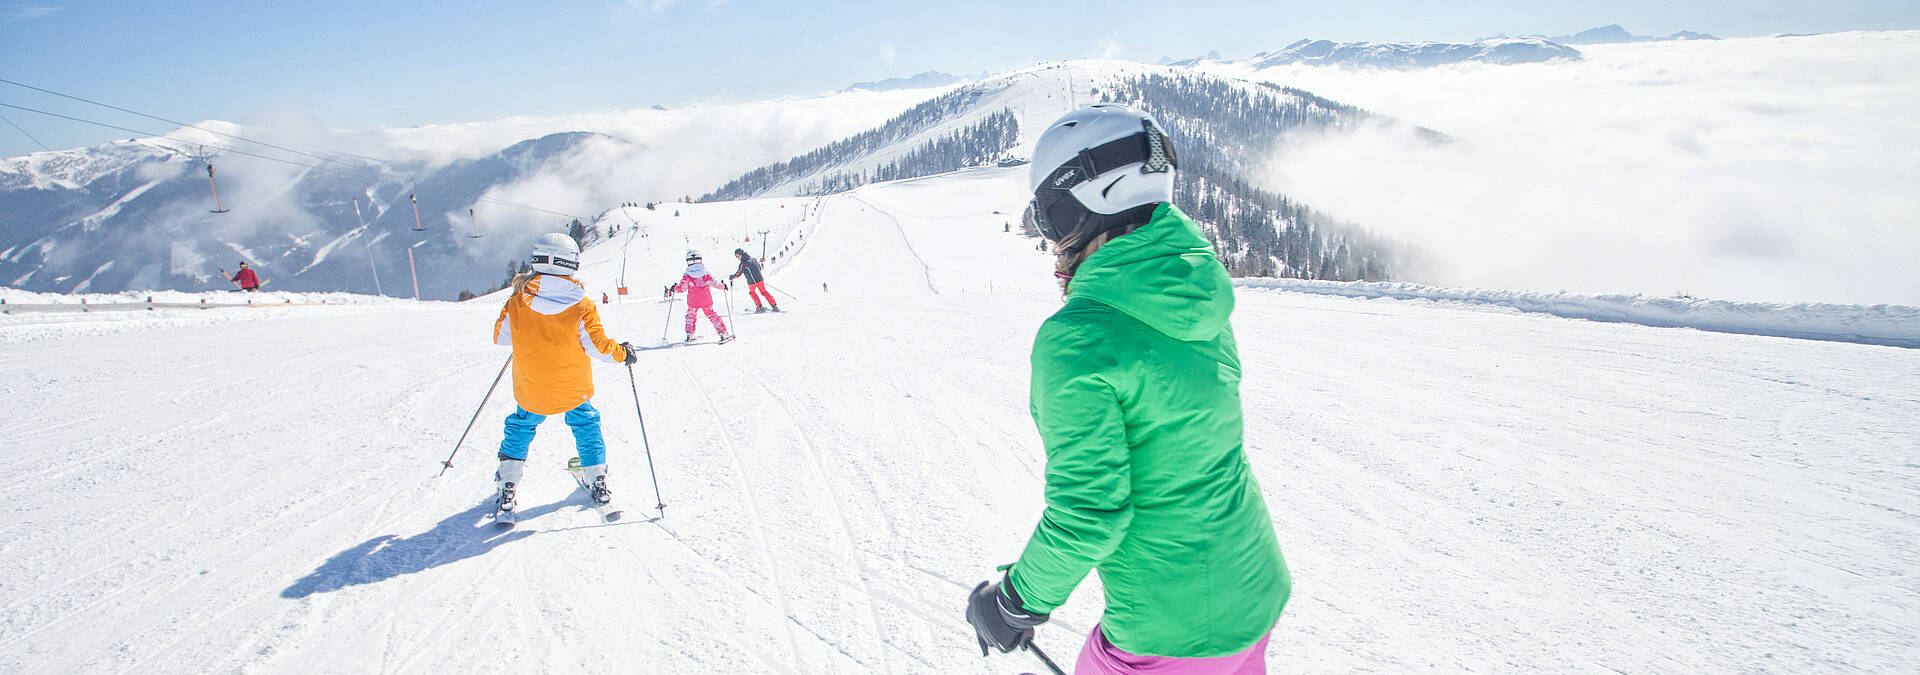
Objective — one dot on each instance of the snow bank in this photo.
(1892, 325)
(27, 316)
(15, 296)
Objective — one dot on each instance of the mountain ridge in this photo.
(134, 214)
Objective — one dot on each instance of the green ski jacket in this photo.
(1136, 391)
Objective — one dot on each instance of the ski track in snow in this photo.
(1454, 488)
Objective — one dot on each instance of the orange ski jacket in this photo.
(553, 329)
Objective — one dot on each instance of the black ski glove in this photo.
(633, 353)
(999, 619)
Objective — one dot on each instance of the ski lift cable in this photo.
(201, 156)
(143, 132)
(531, 208)
(23, 132)
(233, 136)
(270, 158)
(184, 124)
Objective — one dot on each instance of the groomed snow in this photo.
(1893, 325)
(1455, 489)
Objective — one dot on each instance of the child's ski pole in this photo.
(663, 329)
(662, 505)
(476, 417)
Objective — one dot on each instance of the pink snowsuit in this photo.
(695, 283)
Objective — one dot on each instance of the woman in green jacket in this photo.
(1136, 392)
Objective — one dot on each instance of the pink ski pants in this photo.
(1100, 657)
(713, 316)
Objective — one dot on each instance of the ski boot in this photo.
(775, 308)
(507, 480)
(759, 310)
(689, 338)
(726, 338)
(593, 479)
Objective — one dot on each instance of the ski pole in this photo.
(735, 327)
(790, 295)
(662, 505)
(1043, 658)
(476, 417)
(663, 329)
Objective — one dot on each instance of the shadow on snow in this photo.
(458, 537)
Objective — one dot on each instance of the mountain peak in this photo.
(926, 80)
(1614, 34)
(1408, 55)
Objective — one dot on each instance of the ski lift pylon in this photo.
(476, 225)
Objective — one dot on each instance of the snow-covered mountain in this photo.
(1416, 55)
(925, 80)
(136, 215)
(1614, 34)
(1400, 55)
(1225, 128)
(298, 226)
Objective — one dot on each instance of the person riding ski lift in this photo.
(756, 284)
(696, 283)
(554, 330)
(1136, 397)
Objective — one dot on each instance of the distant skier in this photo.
(756, 284)
(553, 329)
(604, 299)
(695, 283)
(1136, 396)
(248, 281)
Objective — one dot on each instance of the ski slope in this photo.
(1455, 487)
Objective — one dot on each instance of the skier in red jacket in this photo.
(246, 278)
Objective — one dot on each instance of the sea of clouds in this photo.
(1773, 169)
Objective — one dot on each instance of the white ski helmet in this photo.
(555, 253)
(1100, 160)
(693, 256)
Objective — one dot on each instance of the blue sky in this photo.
(354, 63)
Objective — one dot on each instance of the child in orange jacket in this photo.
(553, 330)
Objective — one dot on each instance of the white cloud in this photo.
(1110, 48)
(27, 12)
(1763, 168)
(653, 155)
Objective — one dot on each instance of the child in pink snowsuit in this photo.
(695, 284)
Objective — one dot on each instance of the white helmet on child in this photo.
(693, 256)
(1100, 160)
(556, 254)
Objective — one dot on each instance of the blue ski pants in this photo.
(584, 420)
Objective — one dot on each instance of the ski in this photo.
(608, 512)
(672, 345)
